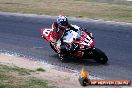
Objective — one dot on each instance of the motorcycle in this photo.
(82, 44)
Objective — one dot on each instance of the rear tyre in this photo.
(100, 56)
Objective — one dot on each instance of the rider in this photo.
(59, 27)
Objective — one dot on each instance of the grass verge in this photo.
(15, 77)
(116, 10)
(40, 69)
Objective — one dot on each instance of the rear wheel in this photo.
(100, 56)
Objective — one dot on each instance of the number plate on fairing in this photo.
(87, 41)
(46, 32)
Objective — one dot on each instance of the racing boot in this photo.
(62, 54)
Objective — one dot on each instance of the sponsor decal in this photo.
(85, 81)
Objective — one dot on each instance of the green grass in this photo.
(40, 69)
(39, 83)
(15, 77)
(20, 71)
(118, 2)
(3, 76)
(115, 10)
(4, 86)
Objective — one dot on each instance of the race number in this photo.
(46, 32)
(88, 40)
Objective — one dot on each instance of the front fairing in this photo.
(80, 37)
(70, 36)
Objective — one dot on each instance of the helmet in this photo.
(62, 21)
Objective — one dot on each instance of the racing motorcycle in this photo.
(82, 44)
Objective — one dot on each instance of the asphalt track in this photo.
(21, 34)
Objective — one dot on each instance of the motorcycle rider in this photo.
(59, 27)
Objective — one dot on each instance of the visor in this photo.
(64, 23)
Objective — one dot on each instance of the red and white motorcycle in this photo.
(82, 43)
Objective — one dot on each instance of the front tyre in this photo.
(100, 56)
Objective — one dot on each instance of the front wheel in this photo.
(100, 56)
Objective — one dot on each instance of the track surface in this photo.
(21, 34)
